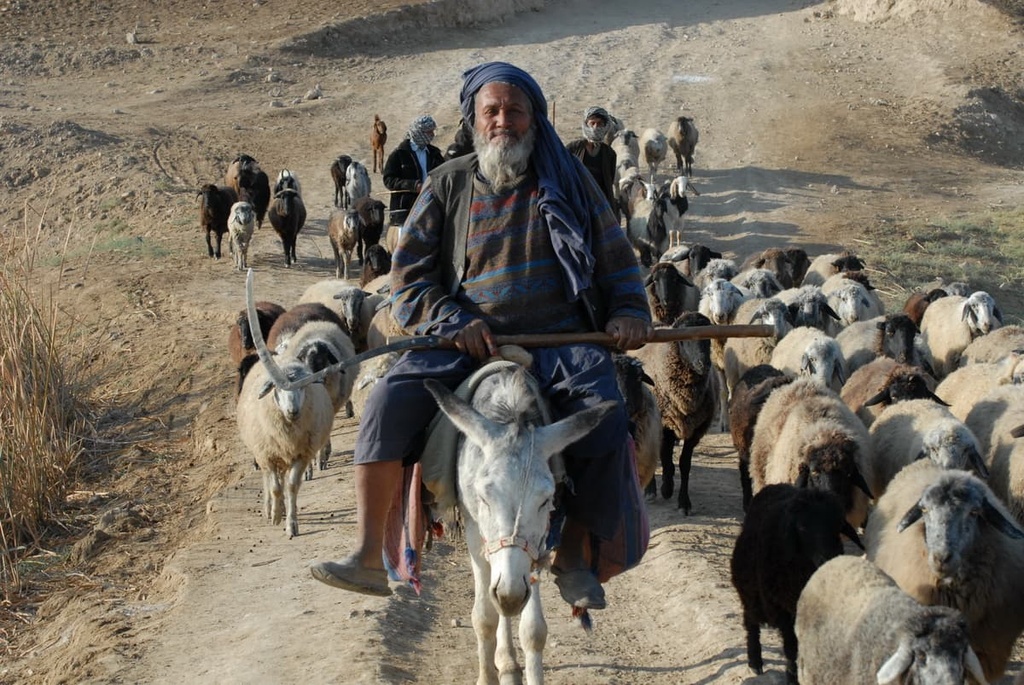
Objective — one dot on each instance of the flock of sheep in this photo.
(898, 430)
(900, 425)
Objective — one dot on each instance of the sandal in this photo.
(580, 588)
(349, 574)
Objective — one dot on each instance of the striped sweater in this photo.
(513, 279)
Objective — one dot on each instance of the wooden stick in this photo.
(661, 335)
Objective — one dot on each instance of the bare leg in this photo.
(363, 570)
(375, 483)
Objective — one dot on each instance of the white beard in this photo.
(504, 162)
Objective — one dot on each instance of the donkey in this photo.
(508, 466)
(378, 136)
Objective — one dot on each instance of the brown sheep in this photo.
(343, 229)
(287, 215)
(682, 138)
(214, 211)
(378, 136)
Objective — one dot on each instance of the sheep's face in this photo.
(830, 465)
(952, 447)
(896, 339)
(934, 649)
(980, 313)
(950, 511)
(720, 300)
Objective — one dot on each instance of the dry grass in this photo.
(44, 422)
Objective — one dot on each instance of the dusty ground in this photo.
(816, 120)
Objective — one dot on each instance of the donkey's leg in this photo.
(533, 635)
(485, 614)
(509, 672)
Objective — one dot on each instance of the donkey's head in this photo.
(507, 476)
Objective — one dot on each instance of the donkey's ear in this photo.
(553, 439)
(477, 428)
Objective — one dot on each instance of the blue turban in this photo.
(564, 203)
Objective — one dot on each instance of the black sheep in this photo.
(787, 534)
(339, 170)
(371, 219)
(378, 263)
(749, 395)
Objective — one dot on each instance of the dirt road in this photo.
(815, 120)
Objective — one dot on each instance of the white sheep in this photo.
(994, 419)
(950, 324)
(319, 344)
(809, 306)
(945, 538)
(919, 429)
(851, 301)
(284, 430)
(760, 283)
(892, 335)
(807, 351)
(872, 388)
(719, 301)
(654, 147)
(241, 224)
(718, 267)
(806, 436)
(854, 625)
(742, 354)
(826, 265)
(357, 183)
(353, 305)
(964, 386)
(994, 346)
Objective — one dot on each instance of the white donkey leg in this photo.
(505, 657)
(485, 614)
(533, 635)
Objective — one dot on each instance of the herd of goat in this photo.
(896, 430)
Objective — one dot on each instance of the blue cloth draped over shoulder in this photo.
(563, 200)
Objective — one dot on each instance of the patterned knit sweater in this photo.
(513, 279)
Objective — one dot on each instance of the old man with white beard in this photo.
(516, 238)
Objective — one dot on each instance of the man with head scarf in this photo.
(516, 238)
(597, 156)
(406, 169)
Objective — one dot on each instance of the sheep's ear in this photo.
(910, 518)
(857, 478)
(974, 670)
(829, 311)
(851, 532)
(1017, 432)
(882, 396)
(938, 400)
(998, 314)
(650, 381)
(998, 521)
(895, 666)
(976, 462)
(649, 280)
(965, 311)
(880, 325)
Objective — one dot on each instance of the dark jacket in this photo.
(402, 173)
(601, 166)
